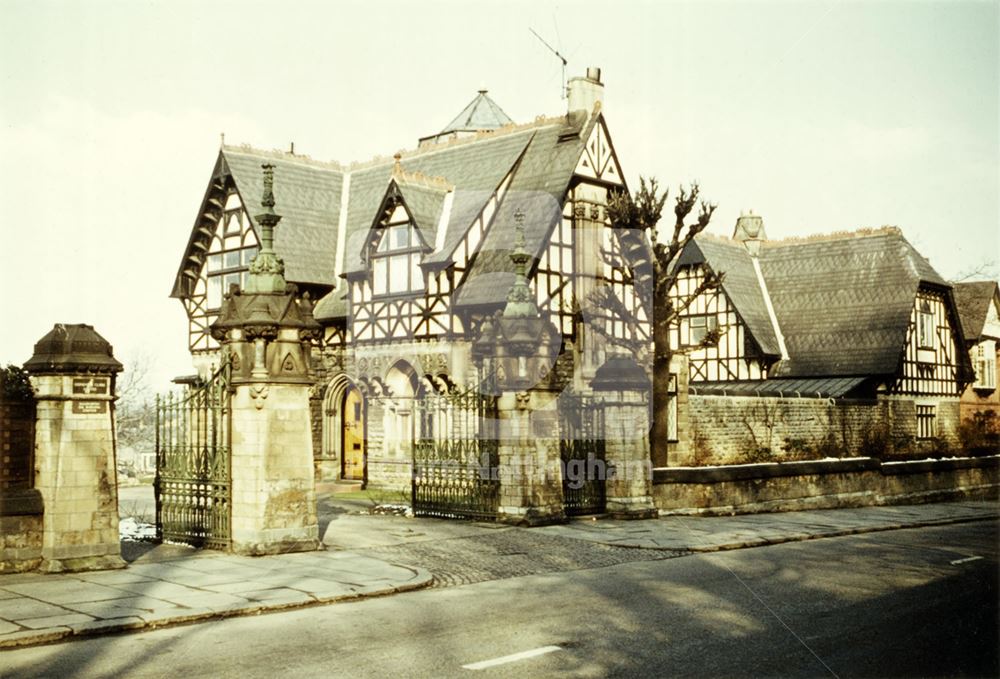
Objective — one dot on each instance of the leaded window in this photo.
(396, 258)
(985, 363)
(699, 326)
(926, 421)
(230, 253)
(925, 328)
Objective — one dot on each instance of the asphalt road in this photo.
(915, 602)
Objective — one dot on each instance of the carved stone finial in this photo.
(267, 270)
(520, 301)
(397, 167)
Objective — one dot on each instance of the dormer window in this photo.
(396, 258)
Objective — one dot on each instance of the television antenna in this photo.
(561, 58)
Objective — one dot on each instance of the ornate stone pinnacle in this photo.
(267, 271)
(267, 200)
(520, 301)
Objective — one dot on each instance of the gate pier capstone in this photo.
(267, 331)
(73, 375)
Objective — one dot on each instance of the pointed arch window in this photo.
(396, 258)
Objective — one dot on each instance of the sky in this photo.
(820, 116)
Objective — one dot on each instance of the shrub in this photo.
(981, 434)
(14, 384)
(755, 454)
(702, 455)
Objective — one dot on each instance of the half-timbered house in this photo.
(405, 257)
(833, 342)
(979, 308)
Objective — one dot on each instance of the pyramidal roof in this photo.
(482, 113)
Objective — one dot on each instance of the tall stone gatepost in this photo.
(622, 389)
(267, 332)
(73, 374)
(518, 348)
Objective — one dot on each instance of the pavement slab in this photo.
(190, 586)
(67, 591)
(55, 621)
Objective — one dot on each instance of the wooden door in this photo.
(354, 435)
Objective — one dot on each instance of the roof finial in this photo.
(397, 167)
(222, 139)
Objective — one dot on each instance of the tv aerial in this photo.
(561, 58)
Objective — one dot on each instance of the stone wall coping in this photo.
(947, 464)
(21, 502)
(770, 470)
(766, 470)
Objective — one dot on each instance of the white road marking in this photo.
(523, 655)
(965, 560)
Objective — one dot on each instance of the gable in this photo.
(740, 285)
(975, 301)
(991, 328)
(598, 159)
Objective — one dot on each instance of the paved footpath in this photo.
(171, 585)
(37, 608)
(718, 533)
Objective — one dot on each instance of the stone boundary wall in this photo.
(21, 506)
(824, 484)
(20, 530)
(725, 429)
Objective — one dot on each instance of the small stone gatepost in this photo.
(519, 347)
(266, 331)
(73, 375)
(622, 388)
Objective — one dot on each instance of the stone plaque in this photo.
(90, 385)
(90, 407)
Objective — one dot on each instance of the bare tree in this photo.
(987, 269)
(650, 256)
(135, 413)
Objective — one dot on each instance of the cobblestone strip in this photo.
(510, 554)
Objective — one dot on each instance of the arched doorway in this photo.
(353, 435)
(345, 433)
(401, 384)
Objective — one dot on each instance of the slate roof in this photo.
(308, 195)
(740, 284)
(842, 302)
(973, 300)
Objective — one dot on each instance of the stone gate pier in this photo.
(73, 373)
(266, 331)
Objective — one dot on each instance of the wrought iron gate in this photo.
(192, 486)
(456, 456)
(581, 448)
